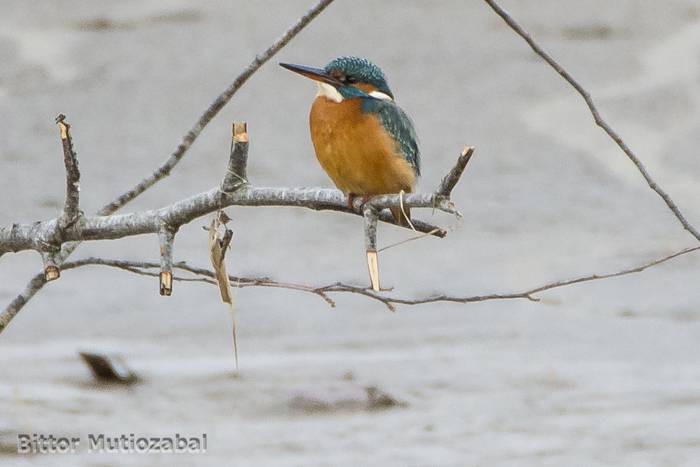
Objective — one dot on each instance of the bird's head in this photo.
(347, 78)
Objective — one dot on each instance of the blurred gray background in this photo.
(605, 373)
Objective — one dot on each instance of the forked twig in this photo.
(57, 238)
(34, 285)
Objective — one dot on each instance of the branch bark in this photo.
(48, 242)
(38, 281)
(36, 236)
(19, 237)
(450, 181)
(166, 236)
(51, 269)
(71, 209)
(237, 173)
(235, 191)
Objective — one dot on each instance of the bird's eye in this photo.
(350, 79)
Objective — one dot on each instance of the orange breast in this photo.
(355, 151)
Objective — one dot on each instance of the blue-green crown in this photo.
(358, 70)
(349, 70)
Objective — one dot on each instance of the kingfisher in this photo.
(364, 141)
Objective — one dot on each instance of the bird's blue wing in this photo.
(399, 125)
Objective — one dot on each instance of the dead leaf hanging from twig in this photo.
(219, 242)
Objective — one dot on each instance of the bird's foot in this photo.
(353, 196)
(351, 200)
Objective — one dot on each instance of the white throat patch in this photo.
(329, 92)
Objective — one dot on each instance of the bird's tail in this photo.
(399, 216)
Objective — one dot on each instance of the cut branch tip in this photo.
(166, 237)
(166, 283)
(51, 273)
(373, 267)
(51, 269)
(240, 132)
(467, 151)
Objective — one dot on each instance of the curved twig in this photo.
(207, 276)
(596, 116)
(213, 110)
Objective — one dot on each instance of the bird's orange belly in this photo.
(355, 150)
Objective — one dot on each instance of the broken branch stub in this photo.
(51, 269)
(71, 208)
(236, 174)
(370, 215)
(450, 180)
(166, 237)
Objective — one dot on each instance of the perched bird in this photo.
(363, 140)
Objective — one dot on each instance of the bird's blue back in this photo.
(399, 126)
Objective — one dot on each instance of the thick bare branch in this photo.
(35, 236)
(20, 237)
(596, 116)
(37, 282)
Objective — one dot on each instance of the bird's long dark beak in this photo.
(316, 74)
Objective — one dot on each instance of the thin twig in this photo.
(71, 208)
(49, 242)
(624, 272)
(11, 310)
(418, 225)
(37, 282)
(403, 242)
(208, 276)
(450, 181)
(596, 116)
(214, 108)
